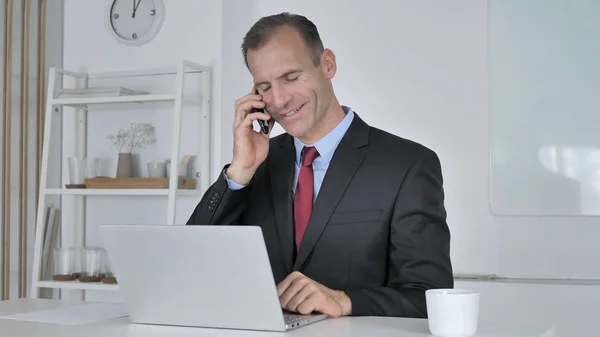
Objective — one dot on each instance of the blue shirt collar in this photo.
(327, 145)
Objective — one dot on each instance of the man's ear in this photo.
(328, 65)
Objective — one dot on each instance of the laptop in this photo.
(200, 276)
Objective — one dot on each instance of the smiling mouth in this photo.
(293, 112)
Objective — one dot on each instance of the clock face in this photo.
(135, 21)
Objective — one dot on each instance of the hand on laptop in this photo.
(298, 293)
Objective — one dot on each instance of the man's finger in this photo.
(308, 305)
(244, 105)
(250, 118)
(245, 110)
(247, 97)
(295, 287)
(283, 285)
(306, 291)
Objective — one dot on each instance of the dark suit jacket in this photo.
(377, 230)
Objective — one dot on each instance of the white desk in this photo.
(347, 327)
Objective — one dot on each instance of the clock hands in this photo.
(135, 7)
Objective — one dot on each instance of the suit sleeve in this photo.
(419, 247)
(220, 205)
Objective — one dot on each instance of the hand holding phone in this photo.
(264, 125)
(250, 148)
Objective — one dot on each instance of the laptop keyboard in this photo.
(291, 318)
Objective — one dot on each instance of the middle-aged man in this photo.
(353, 217)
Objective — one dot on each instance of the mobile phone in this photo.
(264, 125)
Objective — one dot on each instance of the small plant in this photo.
(137, 136)
(119, 140)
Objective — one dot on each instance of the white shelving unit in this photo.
(76, 285)
(174, 98)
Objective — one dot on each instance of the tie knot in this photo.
(308, 155)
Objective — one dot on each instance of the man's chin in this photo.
(294, 130)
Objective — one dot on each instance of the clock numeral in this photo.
(134, 36)
(153, 12)
(115, 16)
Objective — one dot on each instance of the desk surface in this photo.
(347, 326)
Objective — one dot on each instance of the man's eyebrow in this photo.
(286, 74)
(290, 72)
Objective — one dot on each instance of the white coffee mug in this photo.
(452, 312)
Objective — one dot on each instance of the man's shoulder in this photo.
(396, 146)
(388, 144)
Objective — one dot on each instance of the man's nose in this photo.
(280, 97)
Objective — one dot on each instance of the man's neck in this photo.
(334, 115)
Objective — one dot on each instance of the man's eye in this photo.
(292, 79)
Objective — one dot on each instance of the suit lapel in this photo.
(281, 169)
(346, 160)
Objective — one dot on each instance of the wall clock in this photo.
(136, 22)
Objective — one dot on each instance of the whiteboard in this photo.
(544, 105)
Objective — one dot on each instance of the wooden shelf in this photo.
(78, 285)
(183, 182)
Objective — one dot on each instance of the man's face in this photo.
(297, 93)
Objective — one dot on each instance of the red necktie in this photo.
(303, 199)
